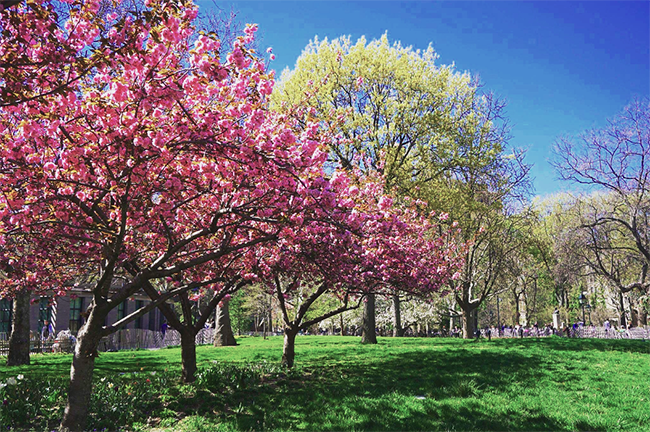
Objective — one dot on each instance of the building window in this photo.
(161, 322)
(44, 313)
(121, 310)
(6, 306)
(76, 306)
(139, 304)
(152, 320)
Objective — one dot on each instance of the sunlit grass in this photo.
(400, 384)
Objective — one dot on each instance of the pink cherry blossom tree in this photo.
(376, 246)
(152, 168)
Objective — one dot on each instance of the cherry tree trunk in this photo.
(368, 333)
(188, 355)
(223, 335)
(19, 339)
(81, 373)
(289, 348)
(398, 331)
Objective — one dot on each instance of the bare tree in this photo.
(616, 160)
(615, 223)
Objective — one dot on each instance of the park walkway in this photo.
(580, 332)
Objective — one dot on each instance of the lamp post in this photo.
(582, 300)
(589, 311)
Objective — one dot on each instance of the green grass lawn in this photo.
(399, 384)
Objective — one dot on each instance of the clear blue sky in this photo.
(562, 66)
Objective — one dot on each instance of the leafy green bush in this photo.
(126, 400)
(118, 401)
(31, 402)
(219, 377)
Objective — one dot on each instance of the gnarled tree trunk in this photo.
(223, 335)
(289, 348)
(368, 333)
(634, 317)
(19, 339)
(468, 314)
(81, 374)
(623, 320)
(398, 331)
(643, 317)
(468, 321)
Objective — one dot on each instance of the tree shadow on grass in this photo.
(435, 390)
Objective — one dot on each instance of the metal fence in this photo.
(36, 345)
(148, 339)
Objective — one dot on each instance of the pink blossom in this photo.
(250, 29)
(118, 92)
(385, 202)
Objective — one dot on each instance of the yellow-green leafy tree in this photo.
(432, 132)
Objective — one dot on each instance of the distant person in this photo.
(488, 332)
(46, 330)
(575, 329)
(163, 328)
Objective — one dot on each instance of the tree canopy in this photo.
(158, 167)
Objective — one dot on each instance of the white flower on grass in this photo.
(21, 376)
(11, 381)
(2, 385)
